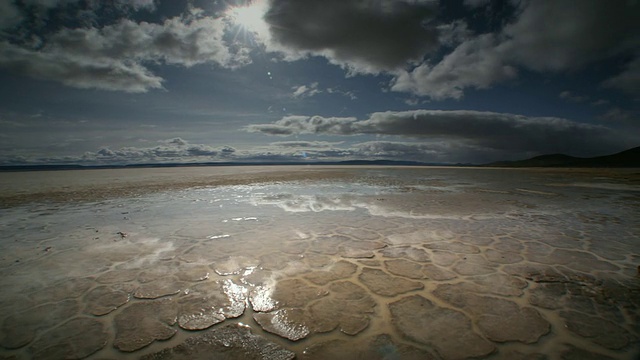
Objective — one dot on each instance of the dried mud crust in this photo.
(326, 283)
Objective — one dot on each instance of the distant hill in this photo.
(50, 167)
(627, 158)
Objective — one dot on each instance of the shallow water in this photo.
(349, 263)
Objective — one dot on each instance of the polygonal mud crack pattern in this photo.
(597, 330)
(71, 288)
(473, 265)
(288, 293)
(412, 270)
(328, 245)
(192, 273)
(348, 307)
(159, 288)
(276, 260)
(210, 303)
(381, 347)
(234, 265)
(20, 329)
(359, 233)
(574, 353)
(384, 284)
(499, 319)
(339, 270)
(496, 284)
(156, 273)
(288, 323)
(503, 257)
(118, 276)
(576, 260)
(448, 331)
(406, 252)
(142, 323)
(75, 339)
(454, 246)
(104, 299)
(230, 342)
(330, 277)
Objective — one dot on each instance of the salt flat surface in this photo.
(320, 262)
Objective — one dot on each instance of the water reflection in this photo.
(504, 268)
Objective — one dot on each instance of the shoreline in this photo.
(20, 188)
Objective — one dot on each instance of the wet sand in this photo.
(320, 262)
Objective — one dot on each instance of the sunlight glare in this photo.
(250, 17)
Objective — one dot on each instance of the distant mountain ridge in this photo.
(627, 158)
(45, 167)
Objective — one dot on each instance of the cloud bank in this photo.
(496, 131)
(175, 149)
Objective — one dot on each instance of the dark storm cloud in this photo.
(628, 80)
(422, 151)
(364, 36)
(398, 150)
(451, 151)
(499, 131)
(546, 35)
(564, 34)
(476, 3)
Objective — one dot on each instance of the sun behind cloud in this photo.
(250, 18)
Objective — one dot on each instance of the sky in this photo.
(470, 81)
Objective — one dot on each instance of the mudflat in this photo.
(319, 262)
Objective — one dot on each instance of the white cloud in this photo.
(175, 141)
(454, 33)
(291, 125)
(106, 73)
(474, 63)
(174, 150)
(304, 91)
(583, 32)
(350, 94)
(113, 57)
